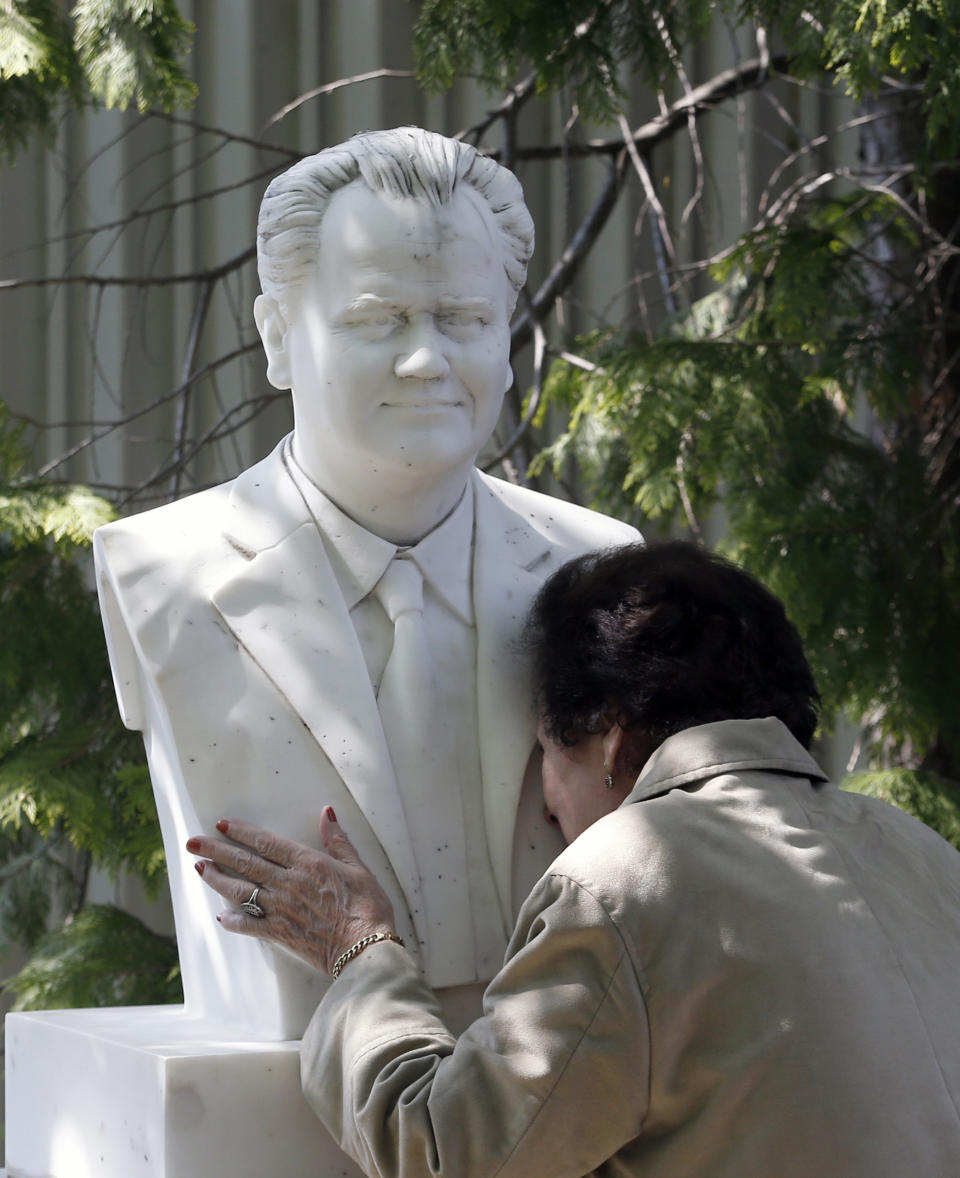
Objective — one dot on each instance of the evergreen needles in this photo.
(74, 792)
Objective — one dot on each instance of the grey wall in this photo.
(145, 199)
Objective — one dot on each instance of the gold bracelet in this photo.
(358, 948)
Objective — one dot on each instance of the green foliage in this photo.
(927, 797)
(130, 51)
(587, 46)
(73, 787)
(575, 42)
(118, 52)
(914, 41)
(74, 781)
(34, 880)
(754, 397)
(66, 514)
(37, 67)
(102, 957)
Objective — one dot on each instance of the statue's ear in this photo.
(272, 326)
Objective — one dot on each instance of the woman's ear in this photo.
(612, 745)
(272, 326)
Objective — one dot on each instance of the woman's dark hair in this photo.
(660, 638)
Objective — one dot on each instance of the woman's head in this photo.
(661, 638)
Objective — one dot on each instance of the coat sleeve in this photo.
(551, 1081)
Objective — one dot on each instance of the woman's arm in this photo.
(551, 1081)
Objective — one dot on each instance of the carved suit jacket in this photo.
(233, 651)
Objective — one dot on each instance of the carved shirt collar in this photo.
(359, 558)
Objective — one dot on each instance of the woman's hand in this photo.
(315, 903)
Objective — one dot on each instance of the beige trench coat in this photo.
(742, 973)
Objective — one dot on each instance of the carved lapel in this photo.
(285, 607)
(511, 561)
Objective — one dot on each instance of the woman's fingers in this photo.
(249, 926)
(283, 852)
(315, 903)
(250, 851)
(237, 891)
(238, 859)
(335, 841)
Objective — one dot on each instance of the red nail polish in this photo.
(222, 825)
(199, 867)
(193, 844)
(219, 921)
(330, 814)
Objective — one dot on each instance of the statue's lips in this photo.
(424, 405)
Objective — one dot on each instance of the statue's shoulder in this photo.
(156, 570)
(171, 522)
(163, 537)
(239, 515)
(563, 523)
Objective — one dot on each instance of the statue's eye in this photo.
(462, 323)
(373, 320)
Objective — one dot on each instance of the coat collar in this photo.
(264, 505)
(727, 746)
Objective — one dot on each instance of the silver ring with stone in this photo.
(251, 907)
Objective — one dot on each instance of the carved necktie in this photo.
(415, 723)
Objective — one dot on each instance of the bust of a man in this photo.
(254, 630)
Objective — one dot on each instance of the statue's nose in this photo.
(424, 357)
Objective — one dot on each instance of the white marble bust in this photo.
(247, 632)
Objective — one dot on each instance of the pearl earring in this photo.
(608, 781)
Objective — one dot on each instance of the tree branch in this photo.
(750, 75)
(183, 408)
(14, 866)
(329, 88)
(572, 257)
(109, 427)
(536, 395)
(228, 136)
(212, 275)
(517, 96)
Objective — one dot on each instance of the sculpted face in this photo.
(398, 353)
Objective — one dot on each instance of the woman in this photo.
(733, 971)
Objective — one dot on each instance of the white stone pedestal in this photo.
(149, 1092)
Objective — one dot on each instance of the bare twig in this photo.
(200, 309)
(509, 120)
(533, 404)
(237, 417)
(686, 445)
(580, 362)
(723, 86)
(681, 72)
(107, 428)
(330, 88)
(211, 275)
(516, 97)
(665, 254)
(228, 136)
(572, 257)
(141, 214)
(20, 863)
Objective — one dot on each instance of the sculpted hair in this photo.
(405, 162)
(662, 638)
